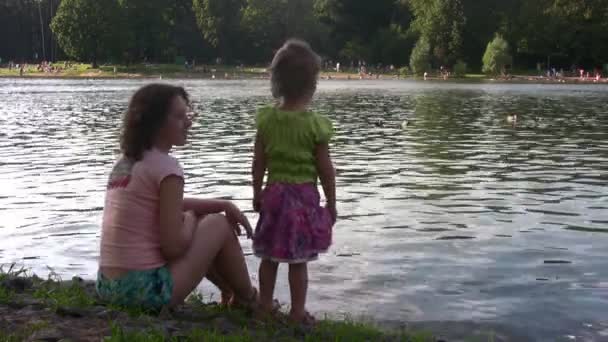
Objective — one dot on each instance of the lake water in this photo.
(459, 220)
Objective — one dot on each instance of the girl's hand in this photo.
(332, 211)
(238, 219)
(257, 202)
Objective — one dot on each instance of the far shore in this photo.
(167, 71)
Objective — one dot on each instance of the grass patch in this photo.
(13, 337)
(197, 302)
(325, 331)
(120, 335)
(217, 323)
(56, 295)
(349, 330)
(5, 295)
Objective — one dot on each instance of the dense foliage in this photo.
(89, 29)
(497, 57)
(556, 33)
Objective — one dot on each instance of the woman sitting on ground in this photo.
(156, 245)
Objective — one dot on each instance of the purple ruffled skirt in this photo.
(293, 227)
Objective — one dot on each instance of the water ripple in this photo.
(452, 213)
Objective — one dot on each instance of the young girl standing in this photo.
(292, 144)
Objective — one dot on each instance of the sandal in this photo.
(308, 321)
(274, 313)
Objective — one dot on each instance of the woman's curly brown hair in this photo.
(147, 113)
(294, 70)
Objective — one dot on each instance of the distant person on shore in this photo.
(292, 145)
(157, 244)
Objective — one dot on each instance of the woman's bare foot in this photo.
(227, 299)
(250, 304)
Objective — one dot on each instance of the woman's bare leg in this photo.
(216, 279)
(213, 244)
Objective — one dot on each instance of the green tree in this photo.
(441, 23)
(420, 60)
(186, 36)
(220, 24)
(150, 24)
(391, 46)
(571, 28)
(89, 30)
(460, 68)
(497, 56)
(300, 20)
(483, 20)
(265, 22)
(355, 27)
(25, 30)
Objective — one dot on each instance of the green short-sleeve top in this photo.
(290, 139)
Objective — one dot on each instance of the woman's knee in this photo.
(216, 223)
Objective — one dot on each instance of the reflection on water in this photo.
(448, 210)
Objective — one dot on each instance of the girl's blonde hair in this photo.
(294, 70)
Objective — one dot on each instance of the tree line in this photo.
(418, 33)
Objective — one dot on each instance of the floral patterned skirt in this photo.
(293, 227)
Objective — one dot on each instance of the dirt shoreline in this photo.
(33, 309)
(101, 75)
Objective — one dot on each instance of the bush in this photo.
(420, 60)
(404, 71)
(497, 56)
(460, 69)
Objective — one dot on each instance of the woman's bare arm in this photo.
(176, 229)
(203, 207)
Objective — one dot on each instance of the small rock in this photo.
(165, 313)
(15, 305)
(33, 304)
(224, 326)
(17, 284)
(100, 311)
(49, 335)
(170, 327)
(70, 312)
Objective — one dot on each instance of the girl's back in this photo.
(290, 139)
(292, 145)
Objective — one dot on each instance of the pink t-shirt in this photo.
(130, 236)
